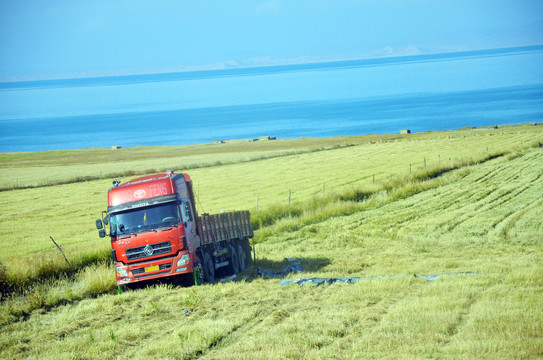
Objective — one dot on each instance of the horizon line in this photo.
(261, 69)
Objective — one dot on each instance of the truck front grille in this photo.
(139, 271)
(148, 250)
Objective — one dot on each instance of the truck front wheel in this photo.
(198, 271)
(209, 268)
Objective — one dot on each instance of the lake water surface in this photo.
(424, 92)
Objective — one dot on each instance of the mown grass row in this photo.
(395, 188)
(53, 285)
(303, 177)
(28, 170)
(36, 261)
(25, 269)
(36, 180)
(484, 218)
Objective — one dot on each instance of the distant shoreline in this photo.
(258, 69)
(271, 139)
(378, 96)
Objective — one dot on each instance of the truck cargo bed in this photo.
(225, 226)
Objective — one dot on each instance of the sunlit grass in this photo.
(66, 212)
(481, 213)
(28, 170)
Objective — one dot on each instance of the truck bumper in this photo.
(153, 269)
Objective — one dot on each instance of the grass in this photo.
(50, 168)
(66, 211)
(482, 213)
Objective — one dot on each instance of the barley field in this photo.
(475, 221)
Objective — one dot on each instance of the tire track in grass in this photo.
(243, 327)
(396, 213)
(461, 206)
(511, 195)
(502, 227)
(494, 197)
(450, 200)
(269, 322)
(370, 320)
(490, 198)
(373, 317)
(414, 208)
(275, 312)
(460, 320)
(484, 177)
(266, 322)
(465, 213)
(496, 170)
(514, 194)
(429, 204)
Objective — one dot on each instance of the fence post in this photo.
(288, 197)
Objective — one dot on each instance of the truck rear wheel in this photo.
(234, 260)
(242, 258)
(248, 251)
(209, 268)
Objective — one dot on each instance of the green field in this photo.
(466, 204)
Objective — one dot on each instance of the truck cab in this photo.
(156, 232)
(152, 225)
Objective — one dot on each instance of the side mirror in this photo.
(99, 224)
(106, 220)
(102, 233)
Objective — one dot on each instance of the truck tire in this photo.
(234, 260)
(209, 268)
(198, 271)
(248, 251)
(242, 258)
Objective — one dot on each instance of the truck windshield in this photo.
(144, 219)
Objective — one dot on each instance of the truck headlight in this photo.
(121, 272)
(184, 259)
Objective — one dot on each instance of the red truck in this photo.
(156, 232)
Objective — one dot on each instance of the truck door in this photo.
(187, 211)
(190, 225)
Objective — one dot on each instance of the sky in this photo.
(69, 38)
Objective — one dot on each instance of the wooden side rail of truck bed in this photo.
(225, 226)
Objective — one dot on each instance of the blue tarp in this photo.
(351, 280)
(297, 268)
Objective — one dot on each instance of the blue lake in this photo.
(424, 92)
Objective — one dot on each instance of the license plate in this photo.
(151, 268)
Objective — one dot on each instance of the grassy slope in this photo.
(22, 170)
(66, 212)
(485, 218)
